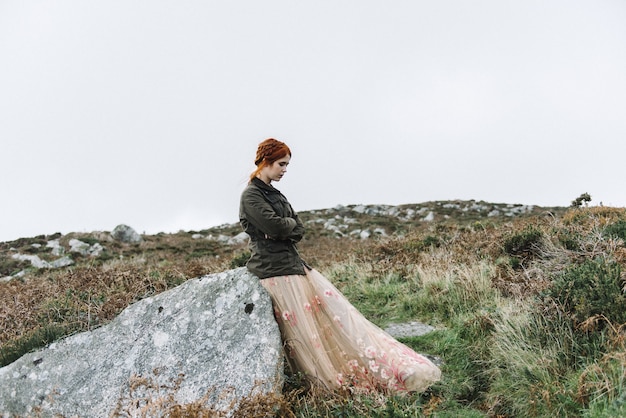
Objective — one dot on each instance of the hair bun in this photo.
(268, 152)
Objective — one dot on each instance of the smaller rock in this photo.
(38, 263)
(35, 261)
(380, 231)
(360, 209)
(240, 238)
(408, 329)
(78, 246)
(61, 262)
(96, 249)
(429, 218)
(57, 249)
(125, 233)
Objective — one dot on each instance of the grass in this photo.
(529, 312)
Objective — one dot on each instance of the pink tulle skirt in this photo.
(331, 342)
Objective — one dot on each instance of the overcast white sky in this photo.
(149, 112)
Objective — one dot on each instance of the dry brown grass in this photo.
(87, 296)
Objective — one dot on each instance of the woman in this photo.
(325, 337)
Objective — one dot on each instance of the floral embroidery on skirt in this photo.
(329, 340)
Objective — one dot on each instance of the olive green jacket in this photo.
(274, 229)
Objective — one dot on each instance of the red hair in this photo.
(268, 152)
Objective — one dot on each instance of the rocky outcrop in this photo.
(346, 221)
(212, 339)
(57, 250)
(239, 239)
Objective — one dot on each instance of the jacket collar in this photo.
(262, 185)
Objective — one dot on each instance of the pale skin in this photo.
(274, 171)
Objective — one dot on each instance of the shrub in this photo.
(525, 243)
(569, 241)
(592, 289)
(616, 230)
(10, 266)
(430, 241)
(583, 198)
(240, 260)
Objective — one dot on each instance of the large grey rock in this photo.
(217, 334)
(125, 233)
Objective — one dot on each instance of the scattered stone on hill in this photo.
(344, 222)
(57, 249)
(430, 217)
(9, 278)
(78, 246)
(37, 262)
(61, 262)
(34, 260)
(366, 233)
(513, 210)
(350, 221)
(413, 329)
(347, 221)
(214, 336)
(240, 238)
(125, 233)
(408, 329)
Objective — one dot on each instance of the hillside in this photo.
(354, 222)
(65, 283)
(527, 301)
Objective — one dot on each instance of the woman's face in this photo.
(275, 171)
